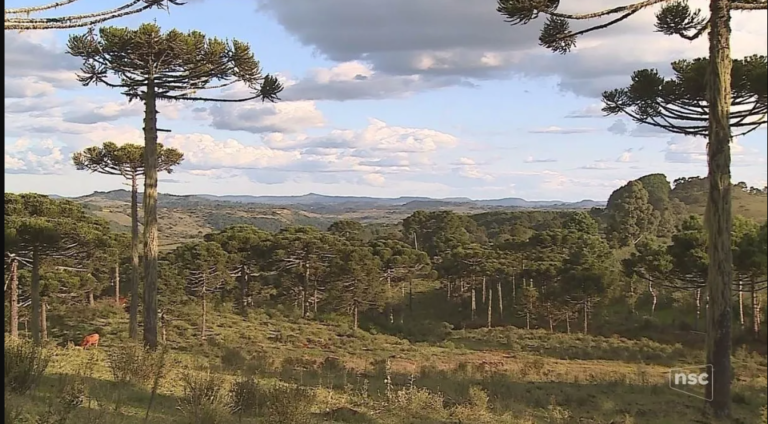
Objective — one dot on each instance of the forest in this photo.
(556, 270)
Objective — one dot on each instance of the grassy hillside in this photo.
(313, 372)
(693, 193)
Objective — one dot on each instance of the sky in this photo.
(437, 98)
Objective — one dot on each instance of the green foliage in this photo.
(631, 215)
(679, 104)
(126, 160)
(203, 399)
(25, 365)
(133, 364)
(289, 404)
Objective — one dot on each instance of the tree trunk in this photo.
(314, 300)
(304, 292)
(551, 324)
(586, 315)
(501, 303)
(653, 297)
(244, 291)
(15, 298)
(205, 308)
(34, 319)
(718, 214)
(514, 289)
(133, 310)
(755, 312)
(527, 320)
(354, 312)
(410, 295)
(43, 320)
(484, 291)
(117, 284)
(490, 306)
(474, 305)
(698, 309)
(91, 300)
(202, 322)
(150, 217)
(390, 311)
(449, 288)
(568, 323)
(741, 304)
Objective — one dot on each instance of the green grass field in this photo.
(288, 370)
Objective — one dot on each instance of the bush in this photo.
(133, 364)
(246, 396)
(25, 364)
(289, 405)
(203, 398)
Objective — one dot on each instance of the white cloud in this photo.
(694, 150)
(598, 166)
(25, 156)
(589, 111)
(256, 117)
(560, 130)
(531, 159)
(376, 180)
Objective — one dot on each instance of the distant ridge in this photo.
(314, 199)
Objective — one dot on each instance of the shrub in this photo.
(203, 398)
(133, 364)
(289, 405)
(25, 364)
(246, 396)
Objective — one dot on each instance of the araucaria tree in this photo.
(677, 18)
(127, 161)
(20, 18)
(149, 65)
(680, 105)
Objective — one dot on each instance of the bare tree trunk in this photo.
(117, 284)
(410, 295)
(354, 312)
(755, 311)
(501, 303)
(586, 315)
(551, 324)
(43, 320)
(474, 305)
(390, 310)
(314, 300)
(653, 297)
(205, 313)
(151, 232)
(133, 311)
(34, 319)
(304, 309)
(15, 298)
(514, 290)
(449, 288)
(741, 304)
(91, 300)
(568, 323)
(244, 274)
(484, 292)
(527, 320)
(490, 306)
(718, 213)
(698, 309)
(303, 302)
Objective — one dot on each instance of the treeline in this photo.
(552, 269)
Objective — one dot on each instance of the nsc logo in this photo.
(691, 380)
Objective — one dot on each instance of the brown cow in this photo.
(90, 340)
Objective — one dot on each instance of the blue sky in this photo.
(380, 100)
